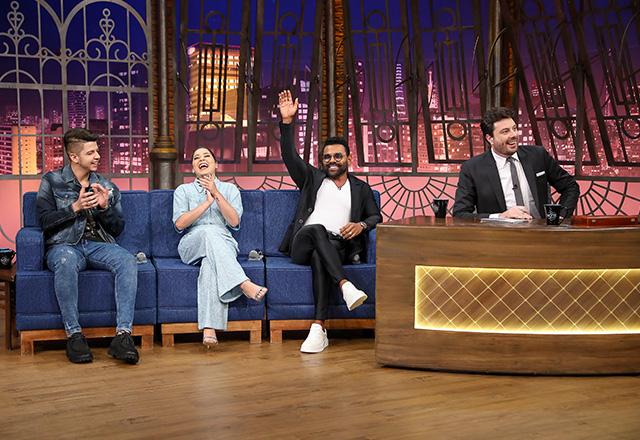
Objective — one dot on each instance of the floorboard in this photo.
(241, 390)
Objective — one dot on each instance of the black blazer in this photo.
(480, 193)
(308, 179)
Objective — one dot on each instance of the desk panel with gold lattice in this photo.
(594, 301)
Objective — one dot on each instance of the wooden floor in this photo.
(243, 391)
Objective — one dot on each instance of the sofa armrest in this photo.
(371, 247)
(30, 249)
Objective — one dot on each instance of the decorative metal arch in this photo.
(37, 57)
(102, 46)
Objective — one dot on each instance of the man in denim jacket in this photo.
(80, 213)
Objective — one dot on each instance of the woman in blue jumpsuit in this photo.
(205, 211)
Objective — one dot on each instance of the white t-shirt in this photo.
(333, 206)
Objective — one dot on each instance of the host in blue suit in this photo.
(510, 181)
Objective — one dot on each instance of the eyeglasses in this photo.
(337, 156)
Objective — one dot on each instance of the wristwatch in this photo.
(364, 226)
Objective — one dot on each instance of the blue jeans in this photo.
(67, 260)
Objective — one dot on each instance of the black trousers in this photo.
(325, 252)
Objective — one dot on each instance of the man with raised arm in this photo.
(335, 211)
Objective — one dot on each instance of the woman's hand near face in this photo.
(209, 184)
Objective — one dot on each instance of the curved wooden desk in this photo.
(520, 298)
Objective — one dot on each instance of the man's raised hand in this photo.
(288, 107)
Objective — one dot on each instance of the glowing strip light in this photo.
(527, 301)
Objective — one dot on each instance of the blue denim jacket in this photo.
(58, 190)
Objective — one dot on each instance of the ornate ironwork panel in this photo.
(235, 58)
(546, 58)
(449, 44)
(69, 64)
(288, 55)
(409, 196)
(381, 102)
(579, 80)
(214, 57)
(599, 197)
(610, 34)
(416, 92)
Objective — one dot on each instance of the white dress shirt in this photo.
(333, 206)
(504, 171)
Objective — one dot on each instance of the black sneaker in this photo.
(122, 348)
(78, 350)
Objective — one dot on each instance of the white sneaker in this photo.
(352, 295)
(316, 341)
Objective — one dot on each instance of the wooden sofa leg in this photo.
(255, 336)
(147, 342)
(167, 340)
(28, 337)
(276, 336)
(26, 344)
(146, 335)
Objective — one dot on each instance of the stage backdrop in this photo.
(414, 78)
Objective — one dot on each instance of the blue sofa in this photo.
(37, 312)
(290, 303)
(177, 299)
(167, 287)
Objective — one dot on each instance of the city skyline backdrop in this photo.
(95, 71)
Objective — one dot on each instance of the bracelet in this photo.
(364, 226)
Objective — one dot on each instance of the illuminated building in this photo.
(213, 82)
(77, 109)
(23, 150)
(6, 165)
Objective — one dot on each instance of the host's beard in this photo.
(342, 169)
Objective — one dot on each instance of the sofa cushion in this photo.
(135, 210)
(29, 210)
(290, 293)
(279, 211)
(136, 235)
(165, 238)
(37, 307)
(177, 292)
(30, 248)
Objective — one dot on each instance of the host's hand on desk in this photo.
(351, 230)
(516, 212)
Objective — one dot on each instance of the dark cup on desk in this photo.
(439, 207)
(554, 213)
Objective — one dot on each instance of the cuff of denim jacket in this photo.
(72, 213)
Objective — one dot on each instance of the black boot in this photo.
(78, 350)
(122, 348)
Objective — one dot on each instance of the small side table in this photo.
(8, 278)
